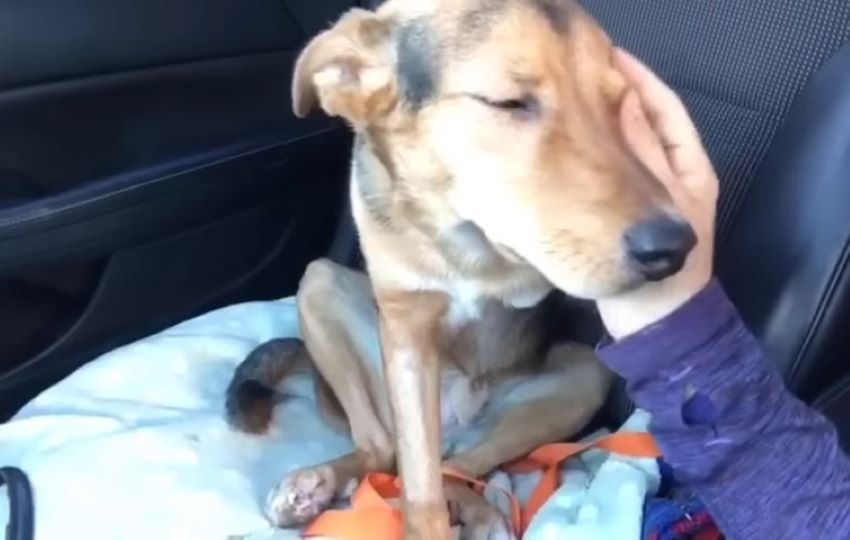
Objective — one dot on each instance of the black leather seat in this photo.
(785, 260)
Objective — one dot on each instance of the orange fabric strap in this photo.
(371, 516)
(548, 458)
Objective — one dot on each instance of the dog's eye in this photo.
(525, 105)
(510, 104)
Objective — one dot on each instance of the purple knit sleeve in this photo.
(765, 465)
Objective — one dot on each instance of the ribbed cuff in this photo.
(671, 339)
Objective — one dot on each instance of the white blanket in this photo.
(134, 445)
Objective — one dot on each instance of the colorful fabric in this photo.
(667, 519)
(601, 495)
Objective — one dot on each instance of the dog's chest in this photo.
(478, 338)
(466, 306)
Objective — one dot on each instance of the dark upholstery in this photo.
(785, 261)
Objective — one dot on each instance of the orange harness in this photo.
(371, 516)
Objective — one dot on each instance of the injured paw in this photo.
(301, 496)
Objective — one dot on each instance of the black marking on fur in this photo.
(251, 394)
(557, 12)
(417, 60)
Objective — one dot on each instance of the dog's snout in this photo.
(659, 246)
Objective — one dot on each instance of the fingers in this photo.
(663, 106)
(667, 113)
(642, 139)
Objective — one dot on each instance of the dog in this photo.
(487, 146)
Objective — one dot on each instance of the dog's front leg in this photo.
(409, 339)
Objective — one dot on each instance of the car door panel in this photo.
(151, 169)
(66, 39)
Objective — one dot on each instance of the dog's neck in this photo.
(412, 239)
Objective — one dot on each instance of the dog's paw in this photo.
(301, 496)
(485, 523)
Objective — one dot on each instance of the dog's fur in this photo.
(488, 145)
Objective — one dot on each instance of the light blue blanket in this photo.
(134, 446)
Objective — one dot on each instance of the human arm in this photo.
(765, 465)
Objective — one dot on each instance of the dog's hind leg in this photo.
(339, 326)
(543, 408)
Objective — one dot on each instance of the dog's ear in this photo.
(347, 70)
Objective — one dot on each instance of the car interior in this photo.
(151, 170)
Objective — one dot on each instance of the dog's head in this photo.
(506, 114)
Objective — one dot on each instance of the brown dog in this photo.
(481, 126)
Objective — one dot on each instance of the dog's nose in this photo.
(658, 246)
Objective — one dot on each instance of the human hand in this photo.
(659, 130)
